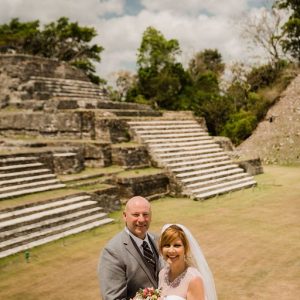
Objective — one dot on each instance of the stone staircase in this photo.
(197, 163)
(78, 94)
(31, 225)
(22, 174)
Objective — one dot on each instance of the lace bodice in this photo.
(173, 297)
(176, 290)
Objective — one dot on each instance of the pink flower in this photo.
(148, 294)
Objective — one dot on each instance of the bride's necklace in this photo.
(175, 283)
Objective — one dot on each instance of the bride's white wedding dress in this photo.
(176, 290)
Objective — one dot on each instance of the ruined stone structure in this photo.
(54, 124)
(276, 139)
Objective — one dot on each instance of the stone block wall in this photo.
(23, 66)
(131, 157)
(148, 186)
(73, 125)
(108, 198)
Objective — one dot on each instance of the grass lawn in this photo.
(251, 240)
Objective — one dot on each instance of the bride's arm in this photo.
(196, 289)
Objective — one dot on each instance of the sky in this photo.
(120, 24)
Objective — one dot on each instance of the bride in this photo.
(186, 275)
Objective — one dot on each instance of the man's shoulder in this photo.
(118, 239)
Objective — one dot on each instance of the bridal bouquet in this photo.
(148, 294)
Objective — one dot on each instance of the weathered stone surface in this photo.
(224, 142)
(252, 166)
(111, 130)
(24, 66)
(146, 186)
(108, 198)
(62, 124)
(276, 140)
(68, 162)
(130, 157)
(95, 154)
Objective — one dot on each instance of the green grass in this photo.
(139, 172)
(250, 238)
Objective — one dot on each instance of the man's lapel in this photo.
(134, 252)
(159, 260)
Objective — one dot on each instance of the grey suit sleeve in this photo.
(112, 276)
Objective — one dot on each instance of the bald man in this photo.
(125, 265)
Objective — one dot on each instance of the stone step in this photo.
(65, 154)
(212, 175)
(55, 237)
(246, 180)
(169, 142)
(32, 190)
(23, 211)
(47, 214)
(45, 232)
(28, 179)
(135, 113)
(89, 103)
(211, 182)
(205, 195)
(28, 185)
(176, 159)
(25, 229)
(20, 167)
(208, 147)
(23, 173)
(16, 160)
(160, 122)
(163, 128)
(155, 131)
(205, 171)
(201, 166)
(65, 89)
(188, 152)
(122, 105)
(182, 153)
(64, 81)
(198, 161)
(74, 92)
(64, 93)
(174, 140)
(167, 135)
(182, 146)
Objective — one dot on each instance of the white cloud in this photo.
(196, 24)
(213, 7)
(50, 10)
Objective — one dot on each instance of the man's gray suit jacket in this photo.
(122, 270)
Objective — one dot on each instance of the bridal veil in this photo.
(200, 263)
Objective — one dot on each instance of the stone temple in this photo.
(69, 154)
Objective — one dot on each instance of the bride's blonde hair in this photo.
(172, 233)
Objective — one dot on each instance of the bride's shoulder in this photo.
(193, 272)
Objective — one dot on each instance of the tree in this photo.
(265, 31)
(291, 41)
(18, 36)
(160, 76)
(63, 40)
(239, 126)
(206, 60)
(124, 82)
(155, 51)
(216, 110)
